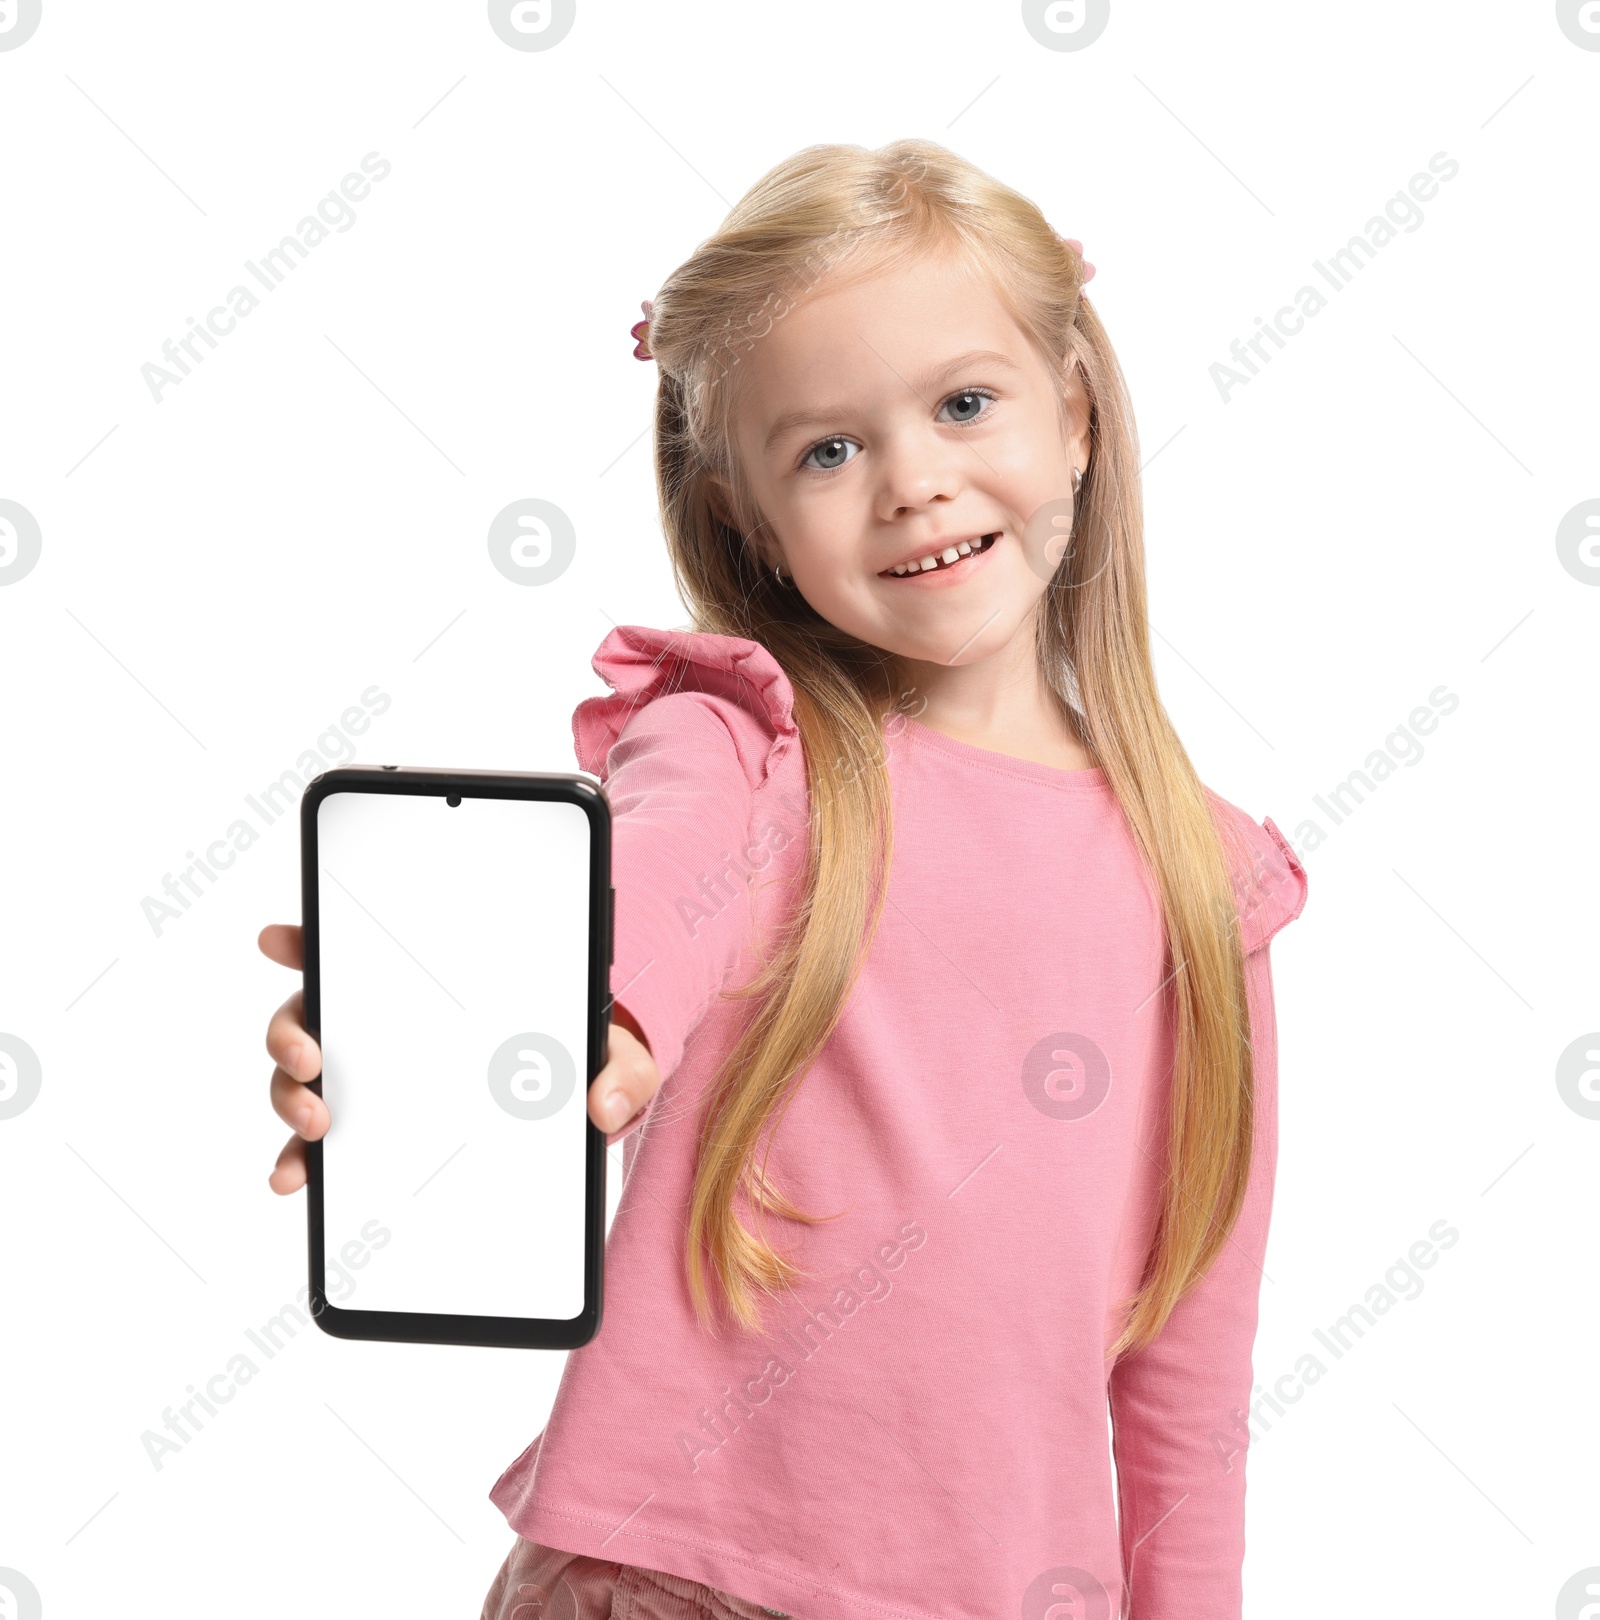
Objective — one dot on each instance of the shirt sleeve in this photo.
(1180, 1407)
(683, 749)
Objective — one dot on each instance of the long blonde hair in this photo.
(826, 209)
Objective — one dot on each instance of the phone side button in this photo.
(611, 929)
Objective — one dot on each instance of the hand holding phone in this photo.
(630, 1073)
(455, 954)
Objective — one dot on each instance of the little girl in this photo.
(943, 1035)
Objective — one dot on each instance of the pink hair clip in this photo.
(1088, 269)
(641, 331)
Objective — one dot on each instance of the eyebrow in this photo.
(790, 420)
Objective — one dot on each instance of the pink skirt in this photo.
(543, 1583)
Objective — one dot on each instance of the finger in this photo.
(289, 1045)
(297, 1105)
(625, 1085)
(284, 944)
(289, 1174)
(618, 1134)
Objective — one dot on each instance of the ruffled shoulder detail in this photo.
(1269, 881)
(641, 664)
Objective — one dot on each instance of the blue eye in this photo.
(971, 396)
(828, 448)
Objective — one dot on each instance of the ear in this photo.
(720, 496)
(1077, 401)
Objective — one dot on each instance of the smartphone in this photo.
(458, 942)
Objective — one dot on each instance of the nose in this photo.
(918, 468)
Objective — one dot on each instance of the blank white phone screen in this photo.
(454, 984)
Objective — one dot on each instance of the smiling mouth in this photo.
(943, 560)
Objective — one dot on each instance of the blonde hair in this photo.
(840, 208)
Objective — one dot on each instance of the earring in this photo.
(777, 572)
(1077, 480)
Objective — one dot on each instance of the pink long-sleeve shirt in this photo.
(924, 1430)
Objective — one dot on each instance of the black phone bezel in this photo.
(417, 1327)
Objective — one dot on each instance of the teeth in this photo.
(950, 554)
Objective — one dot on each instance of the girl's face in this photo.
(883, 423)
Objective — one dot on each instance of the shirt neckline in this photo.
(1092, 779)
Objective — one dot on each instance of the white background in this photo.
(305, 517)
